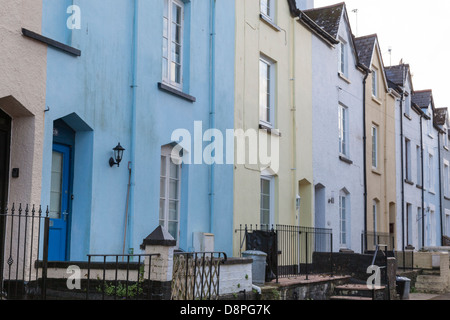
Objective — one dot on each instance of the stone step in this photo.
(350, 298)
(431, 272)
(360, 290)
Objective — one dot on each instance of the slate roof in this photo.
(396, 74)
(364, 47)
(422, 98)
(328, 18)
(440, 116)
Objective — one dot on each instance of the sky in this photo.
(416, 31)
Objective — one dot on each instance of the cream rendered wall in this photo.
(381, 181)
(22, 94)
(289, 46)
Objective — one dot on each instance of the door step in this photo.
(358, 292)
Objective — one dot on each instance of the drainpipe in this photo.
(440, 183)
(212, 111)
(423, 182)
(133, 127)
(402, 160)
(367, 71)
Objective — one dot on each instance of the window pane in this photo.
(56, 185)
(173, 229)
(176, 14)
(161, 209)
(173, 189)
(173, 210)
(174, 170)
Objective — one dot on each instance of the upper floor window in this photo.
(173, 43)
(375, 83)
(343, 130)
(267, 91)
(342, 59)
(408, 159)
(375, 146)
(268, 9)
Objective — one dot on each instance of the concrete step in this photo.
(431, 272)
(350, 298)
(360, 290)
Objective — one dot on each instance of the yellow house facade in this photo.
(273, 106)
(380, 168)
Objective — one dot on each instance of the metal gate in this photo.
(196, 275)
(23, 228)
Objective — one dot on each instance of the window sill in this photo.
(418, 186)
(407, 116)
(269, 129)
(409, 182)
(343, 77)
(175, 92)
(447, 197)
(375, 171)
(432, 192)
(345, 159)
(431, 136)
(269, 22)
(446, 148)
(377, 101)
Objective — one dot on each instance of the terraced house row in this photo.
(225, 117)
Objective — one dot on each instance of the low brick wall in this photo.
(343, 263)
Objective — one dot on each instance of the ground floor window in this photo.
(169, 200)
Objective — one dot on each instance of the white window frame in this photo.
(267, 8)
(168, 75)
(343, 131)
(419, 226)
(446, 177)
(375, 83)
(407, 104)
(409, 224)
(432, 231)
(419, 166)
(343, 58)
(430, 172)
(375, 146)
(271, 181)
(447, 223)
(167, 156)
(343, 219)
(408, 159)
(269, 93)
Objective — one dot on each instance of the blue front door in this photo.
(59, 203)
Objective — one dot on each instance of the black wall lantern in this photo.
(118, 155)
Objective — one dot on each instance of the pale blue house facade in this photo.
(338, 130)
(419, 146)
(135, 72)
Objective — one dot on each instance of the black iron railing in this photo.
(290, 249)
(119, 277)
(370, 240)
(21, 231)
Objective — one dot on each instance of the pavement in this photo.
(429, 296)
